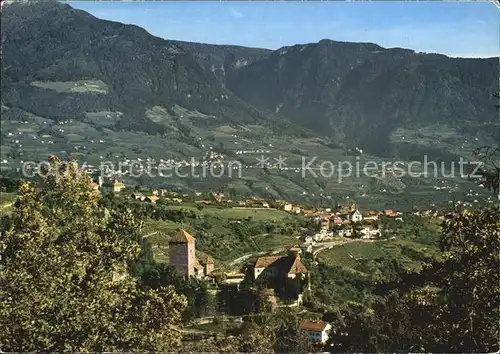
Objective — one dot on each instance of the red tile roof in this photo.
(287, 264)
(297, 267)
(313, 326)
(182, 237)
(263, 262)
(390, 212)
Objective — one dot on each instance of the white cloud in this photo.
(235, 13)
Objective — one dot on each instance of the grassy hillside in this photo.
(227, 234)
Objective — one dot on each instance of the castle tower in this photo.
(182, 253)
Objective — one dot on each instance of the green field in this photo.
(239, 213)
(355, 256)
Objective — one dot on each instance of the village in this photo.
(276, 270)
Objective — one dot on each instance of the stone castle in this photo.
(183, 256)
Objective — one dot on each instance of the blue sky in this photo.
(466, 29)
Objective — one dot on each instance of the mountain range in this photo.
(357, 92)
(354, 92)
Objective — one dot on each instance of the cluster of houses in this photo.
(156, 195)
(289, 270)
(111, 185)
(344, 222)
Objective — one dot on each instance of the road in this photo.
(151, 234)
(245, 257)
(320, 248)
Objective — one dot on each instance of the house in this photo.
(318, 237)
(114, 186)
(198, 270)
(309, 239)
(289, 267)
(151, 199)
(138, 196)
(390, 212)
(94, 186)
(117, 186)
(296, 210)
(324, 223)
(369, 233)
(208, 265)
(316, 330)
(308, 212)
(287, 207)
(345, 231)
(371, 217)
(337, 220)
(265, 204)
(306, 247)
(355, 216)
(233, 278)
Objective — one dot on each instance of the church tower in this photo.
(182, 253)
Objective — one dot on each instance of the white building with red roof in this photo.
(315, 330)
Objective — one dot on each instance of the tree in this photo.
(256, 338)
(456, 299)
(195, 290)
(63, 275)
(289, 339)
(470, 278)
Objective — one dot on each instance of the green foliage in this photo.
(9, 184)
(199, 302)
(65, 284)
(456, 299)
